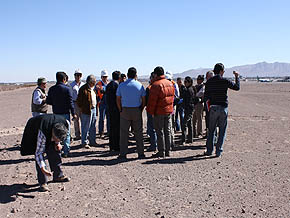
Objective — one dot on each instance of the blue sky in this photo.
(39, 38)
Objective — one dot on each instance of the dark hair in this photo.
(60, 76)
(178, 78)
(189, 79)
(116, 75)
(159, 71)
(218, 67)
(123, 75)
(60, 131)
(132, 72)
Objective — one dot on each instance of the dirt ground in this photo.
(251, 179)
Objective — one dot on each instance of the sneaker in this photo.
(86, 146)
(43, 188)
(158, 154)
(218, 154)
(167, 154)
(61, 179)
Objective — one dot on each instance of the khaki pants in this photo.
(197, 119)
(131, 116)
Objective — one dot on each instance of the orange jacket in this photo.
(161, 97)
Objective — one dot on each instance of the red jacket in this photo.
(161, 97)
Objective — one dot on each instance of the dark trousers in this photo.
(187, 124)
(54, 160)
(114, 134)
(162, 125)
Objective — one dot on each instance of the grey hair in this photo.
(91, 78)
(60, 131)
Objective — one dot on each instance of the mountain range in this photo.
(262, 69)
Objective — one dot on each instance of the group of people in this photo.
(170, 107)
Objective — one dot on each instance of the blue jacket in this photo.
(60, 97)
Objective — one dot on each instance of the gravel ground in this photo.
(251, 179)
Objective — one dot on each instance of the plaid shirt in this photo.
(41, 141)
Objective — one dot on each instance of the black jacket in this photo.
(111, 91)
(44, 123)
(216, 90)
(189, 98)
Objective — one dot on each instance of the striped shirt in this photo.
(40, 148)
(216, 90)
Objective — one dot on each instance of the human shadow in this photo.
(179, 160)
(188, 147)
(17, 161)
(98, 162)
(15, 147)
(9, 193)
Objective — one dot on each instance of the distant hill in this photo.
(262, 69)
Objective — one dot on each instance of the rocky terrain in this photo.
(251, 179)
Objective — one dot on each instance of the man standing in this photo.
(43, 134)
(114, 114)
(87, 101)
(198, 108)
(101, 89)
(160, 106)
(38, 103)
(76, 84)
(179, 105)
(60, 97)
(131, 101)
(216, 92)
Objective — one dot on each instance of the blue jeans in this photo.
(88, 126)
(180, 111)
(151, 132)
(103, 112)
(218, 117)
(66, 142)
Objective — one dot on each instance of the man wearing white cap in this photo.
(76, 84)
(169, 76)
(101, 89)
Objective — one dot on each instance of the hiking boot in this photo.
(61, 179)
(43, 188)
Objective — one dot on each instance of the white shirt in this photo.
(200, 92)
(94, 97)
(38, 97)
(75, 89)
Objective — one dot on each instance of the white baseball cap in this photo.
(168, 75)
(78, 71)
(104, 73)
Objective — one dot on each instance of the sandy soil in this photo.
(250, 180)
